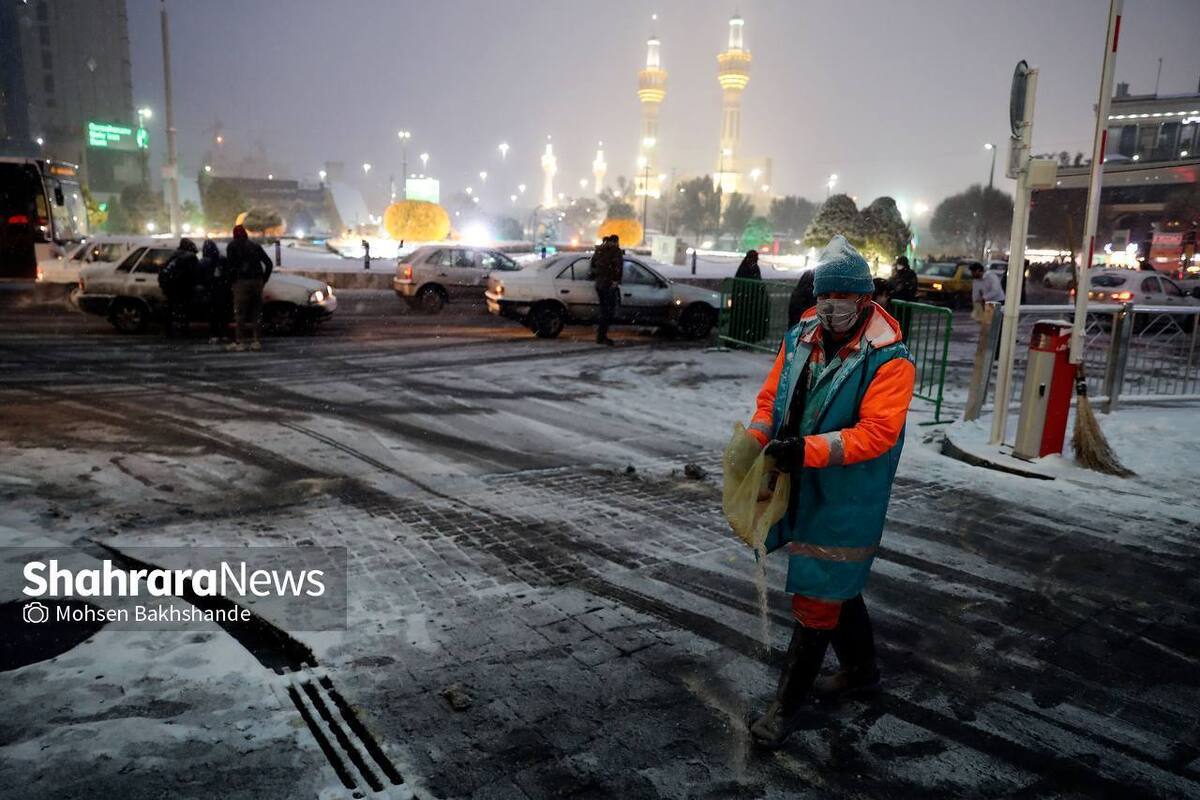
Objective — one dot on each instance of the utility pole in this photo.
(172, 169)
(1023, 134)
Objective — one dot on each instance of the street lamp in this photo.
(513, 198)
(987, 199)
(208, 168)
(521, 188)
(503, 148)
(992, 173)
(754, 173)
(424, 161)
(404, 136)
(40, 141)
(483, 176)
(320, 174)
(830, 184)
(644, 165)
(469, 191)
(366, 168)
(583, 182)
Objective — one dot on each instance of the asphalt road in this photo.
(542, 604)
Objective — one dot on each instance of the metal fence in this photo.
(1129, 351)
(927, 333)
(754, 315)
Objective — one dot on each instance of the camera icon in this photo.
(35, 612)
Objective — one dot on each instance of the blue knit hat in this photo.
(840, 268)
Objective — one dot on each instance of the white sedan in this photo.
(127, 293)
(1140, 287)
(549, 294)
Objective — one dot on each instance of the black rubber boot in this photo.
(854, 643)
(804, 656)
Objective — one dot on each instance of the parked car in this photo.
(549, 294)
(429, 277)
(64, 269)
(1061, 277)
(947, 282)
(1137, 287)
(127, 294)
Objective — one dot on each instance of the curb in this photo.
(952, 450)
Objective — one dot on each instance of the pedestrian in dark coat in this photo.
(177, 279)
(214, 274)
(607, 264)
(749, 267)
(803, 298)
(250, 268)
(749, 302)
(904, 281)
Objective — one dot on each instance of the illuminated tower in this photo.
(652, 90)
(733, 73)
(549, 167)
(599, 169)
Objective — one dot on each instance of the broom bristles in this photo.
(1091, 448)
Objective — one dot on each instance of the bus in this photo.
(41, 211)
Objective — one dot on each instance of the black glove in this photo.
(788, 454)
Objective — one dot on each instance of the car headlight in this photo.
(317, 297)
(328, 291)
(937, 287)
(499, 288)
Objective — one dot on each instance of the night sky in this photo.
(895, 97)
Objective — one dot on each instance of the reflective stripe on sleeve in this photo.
(761, 427)
(830, 553)
(837, 449)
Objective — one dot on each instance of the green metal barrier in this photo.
(754, 314)
(927, 333)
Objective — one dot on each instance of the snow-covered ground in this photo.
(517, 523)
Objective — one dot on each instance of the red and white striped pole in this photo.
(1083, 282)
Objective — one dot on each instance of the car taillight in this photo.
(40, 275)
(1122, 295)
(407, 272)
(1072, 292)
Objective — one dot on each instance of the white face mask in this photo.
(838, 315)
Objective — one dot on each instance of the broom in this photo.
(1091, 448)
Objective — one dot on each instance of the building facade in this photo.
(65, 64)
(1151, 159)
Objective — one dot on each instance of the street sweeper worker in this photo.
(831, 413)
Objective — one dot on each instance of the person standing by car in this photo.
(606, 271)
(250, 267)
(831, 413)
(903, 284)
(214, 274)
(177, 279)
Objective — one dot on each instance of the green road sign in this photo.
(111, 136)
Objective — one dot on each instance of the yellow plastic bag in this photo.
(752, 503)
